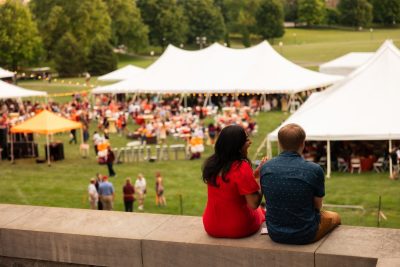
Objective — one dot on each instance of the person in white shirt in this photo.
(96, 140)
(140, 188)
(93, 195)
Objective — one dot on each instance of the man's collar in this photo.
(289, 154)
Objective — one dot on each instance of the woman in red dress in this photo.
(233, 192)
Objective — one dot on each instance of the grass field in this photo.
(64, 184)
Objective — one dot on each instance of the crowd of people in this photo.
(101, 192)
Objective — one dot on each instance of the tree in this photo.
(69, 56)
(386, 11)
(127, 26)
(290, 10)
(269, 19)
(20, 42)
(101, 58)
(86, 20)
(311, 11)
(355, 13)
(204, 19)
(166, 21)
(331, 16)
(239, 17)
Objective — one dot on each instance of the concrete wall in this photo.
(42, 236)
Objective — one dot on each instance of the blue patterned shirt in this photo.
(289, 184)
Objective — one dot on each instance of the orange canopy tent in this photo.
(47, 123)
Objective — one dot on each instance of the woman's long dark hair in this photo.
(228, 149)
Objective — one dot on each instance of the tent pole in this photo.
(185, 98)
(390, 159)
(269, 149)
(12, 149)
(48, 149)
(328, 159)
(206, 100)
(181, 99)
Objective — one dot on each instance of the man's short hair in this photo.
(291, 137)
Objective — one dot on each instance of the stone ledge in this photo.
(87, 237)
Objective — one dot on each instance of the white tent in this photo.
(218, 69)
(6, 74)
(124, 73)
(12, 91)
(364, 106)
(344, 65)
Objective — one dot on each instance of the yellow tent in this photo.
(47, 123)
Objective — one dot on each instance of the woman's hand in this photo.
(257, 171)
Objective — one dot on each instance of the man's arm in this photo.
(318, 203)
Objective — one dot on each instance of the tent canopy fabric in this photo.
(364, 106)
(124, 73)
(344, 65)
(5, 73)
(12, 91)
(219, 69)
(46, 122)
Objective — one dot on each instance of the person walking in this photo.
(110, 162)
(107, 194)
(160, 198)
(93, 195)
(99, 180)
(129, 195)
(140, 188)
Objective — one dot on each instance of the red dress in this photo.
(227, 213)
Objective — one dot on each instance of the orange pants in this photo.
(329, 220)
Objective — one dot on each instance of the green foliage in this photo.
(166, 21)
(20, 42)
(127, 26)
(239, 17)
(269, 19)
(69, 56)
(86, 20)
(331, 16)
(386, 11)
(204, 19)
(355, 13)
(311, 12)
(290, 8)
(101, 58)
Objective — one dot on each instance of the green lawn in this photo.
(64, 183)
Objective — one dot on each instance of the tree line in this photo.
(80, 35)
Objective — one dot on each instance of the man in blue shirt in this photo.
(106, 193)
(293, 189)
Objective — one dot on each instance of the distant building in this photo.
(332, 3)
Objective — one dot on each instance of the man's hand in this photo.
(318, 203)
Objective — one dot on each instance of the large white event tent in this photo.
(5, 73)
(364, 106)
(121, 74)
(8, 90)
(344, 65)
(219, 69)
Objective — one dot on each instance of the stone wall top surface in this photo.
(76, 236)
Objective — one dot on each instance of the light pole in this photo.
(201, 41)
(371, 33)
(295, 38)
(281, 47)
